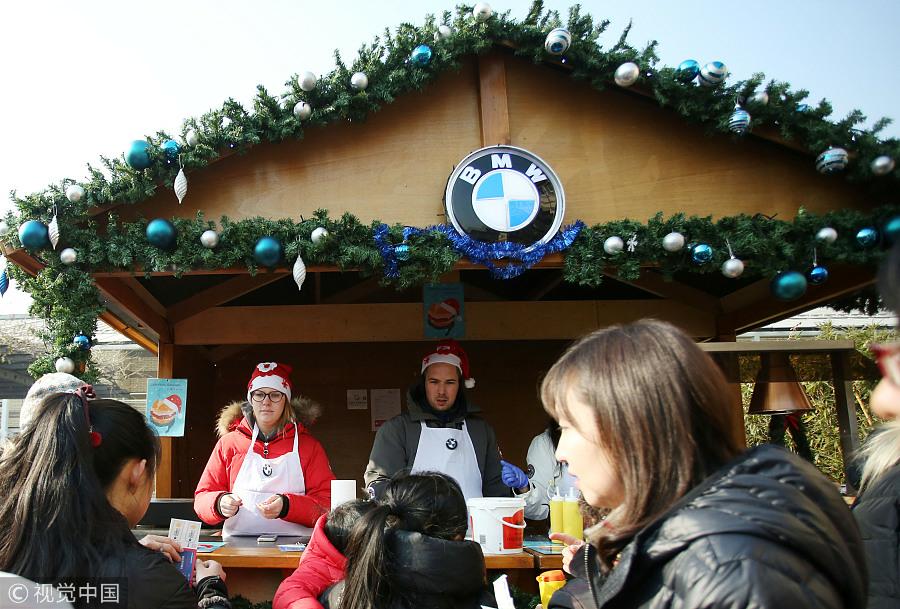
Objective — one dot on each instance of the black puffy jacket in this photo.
(877, 512)
(766, 531)
(155, 583)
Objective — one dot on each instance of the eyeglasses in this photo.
(259, 397)
(887, 356)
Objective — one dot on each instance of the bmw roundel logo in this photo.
(504, 193)
(451, 443)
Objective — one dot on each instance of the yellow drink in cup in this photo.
(573, 524)
(557, 523)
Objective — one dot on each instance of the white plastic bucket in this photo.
(497, 523)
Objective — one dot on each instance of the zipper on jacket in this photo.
(265, 449)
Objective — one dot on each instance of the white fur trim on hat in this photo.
(270, 381)
(441, 358)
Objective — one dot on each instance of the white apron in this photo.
(260, 478)
(450, 451)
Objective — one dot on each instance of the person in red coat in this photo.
(267, 474)
(323, 562)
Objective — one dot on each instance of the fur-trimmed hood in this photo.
(306, 412)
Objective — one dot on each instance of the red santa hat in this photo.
(450, 352)
(270, 375)
(174, 402)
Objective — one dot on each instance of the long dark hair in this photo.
(662, 412)
(428, 503)
(55, 519)
(341, 520)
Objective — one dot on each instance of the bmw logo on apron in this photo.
(504, 193)
(267, 470)
(451, 444)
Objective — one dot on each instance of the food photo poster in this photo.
(167, 406)
(444, 310)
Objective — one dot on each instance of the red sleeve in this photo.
(214, 482)
(317, 570)
(317, 476)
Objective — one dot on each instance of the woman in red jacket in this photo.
(267, 474)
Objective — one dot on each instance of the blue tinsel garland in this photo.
(479, 252)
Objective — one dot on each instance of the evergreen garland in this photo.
(67, 300)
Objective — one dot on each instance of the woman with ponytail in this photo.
(72, 486)
(409, 551)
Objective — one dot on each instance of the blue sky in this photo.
(81, 79)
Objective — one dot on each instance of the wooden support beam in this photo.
(492, 95)
(355, 292)
(845, 403)
(223, 352)
(403, 321)
(122, 295)
(655, 283)
(144, 294)
(843, 280)
(546, 287)
(22, 259)
(128, 332)
(220, 294)
(165, 471)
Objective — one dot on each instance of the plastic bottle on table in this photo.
(557, 523)
(573, 523)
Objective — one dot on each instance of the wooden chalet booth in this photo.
(617, 154)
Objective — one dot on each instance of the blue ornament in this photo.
(713, 74)
(803, 108)
(401, 251)
(892, 229)
(171, 149)
(138, 156)
(867, 237)
(740, 120)
(34, 235)
(421, 55)
(701, 253)
(267, 251)
(817, 275)
(687, 70)
(832, 160)
(161, 233)
(789, 285)
(82, 342)
(4, 282)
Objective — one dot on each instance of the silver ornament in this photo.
(74, 193)
(760, 97)
(65, 365)
(673, 242)
(53, 231)
(613, 245)
(4, 227)
(443, 33)
(307, 81)
(482, 11)
(191, 138)
(299, 272)
(68, 256)
(181, 185)
(827, 235)
(226, 122)
(882, 165)
(627, 74)
(558, 41)
(713, 74)
(209, 239)
(302, 110)
(732, 268)
(359, 81)
(832, 160)
(318, 235)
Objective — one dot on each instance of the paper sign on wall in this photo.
(385, 406)
(167, 405)
(444, 310)
(357, 399)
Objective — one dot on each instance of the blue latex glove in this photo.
(512, 476)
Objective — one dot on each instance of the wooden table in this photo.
(545, 562)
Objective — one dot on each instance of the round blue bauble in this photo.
(421, 55)
(817, 275)
(171, 149)
(789, 285)
(687, 70)
(803, 108)
(740, 120)
(267, 251)
(82, 342)
(401, 251)
(867, 237)
(713, 74)
(892, 229)
(161, 233)
(138, 156)
(832, 160)
(701, 253)
(34, 235)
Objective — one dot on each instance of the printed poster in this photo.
(167, 406)
(385, 406)
(444, 310)
(357, 399)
